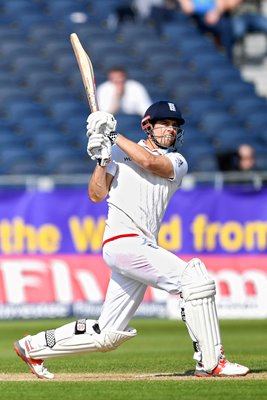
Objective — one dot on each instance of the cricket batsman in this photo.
(138, 180)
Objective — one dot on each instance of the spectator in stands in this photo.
(227, 20)
(122, 95)
(243, 159)
(144, 8)
(125, 13)
(246, 158)
(213, 17)
(134, 11)
(155, 12)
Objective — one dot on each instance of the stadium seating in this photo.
(61, 110)
(21, 109)
(10, 156)
(25, 65)
(30, 125)
(65, 7)
(261, 160)
(257, 121)
(42, 99)
(75, 166)
(249, 104)
(214, 121)
(173, 31)
(48, 94)
(128, 122)
(201, 158)
(45, 140)
(103, 8)
(228, 138)
(9, 94)
(54, 159)
(21, 7)
(24, 166)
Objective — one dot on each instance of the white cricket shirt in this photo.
(138, 199)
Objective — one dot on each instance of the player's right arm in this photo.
(99, 184)
(158, 165)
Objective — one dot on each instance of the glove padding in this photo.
(106, 152)
(99, 148)
(95, 144)
(100, 122)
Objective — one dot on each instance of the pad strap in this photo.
(80, 326)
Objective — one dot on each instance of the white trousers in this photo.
(136, 263)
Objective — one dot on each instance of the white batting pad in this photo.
(105, 341)
(198, 291)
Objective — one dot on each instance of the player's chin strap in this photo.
(178, 141)
(199, 314)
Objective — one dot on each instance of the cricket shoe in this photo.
(223, 369)
(22, 348)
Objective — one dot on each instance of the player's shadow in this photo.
(257, 371)
(186, 373)
(192, 373)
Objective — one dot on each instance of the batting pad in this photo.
(105, 341)
(198, 291)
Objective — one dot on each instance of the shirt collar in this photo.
(162, 152)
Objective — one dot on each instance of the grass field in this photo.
(157, 364)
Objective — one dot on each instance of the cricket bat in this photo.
(86, 70)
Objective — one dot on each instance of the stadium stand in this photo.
(43, 107)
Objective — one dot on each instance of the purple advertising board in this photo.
(65, 221)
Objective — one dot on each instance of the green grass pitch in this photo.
(162, 350)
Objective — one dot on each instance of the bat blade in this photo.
(86, 70)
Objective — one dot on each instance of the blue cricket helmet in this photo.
(159, 111)
(162, 110)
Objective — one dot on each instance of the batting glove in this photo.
(106, 152)
(94, 145)
(99, 148)
(100, 122)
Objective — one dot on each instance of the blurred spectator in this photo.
(213, 17)
(143, 8)
(244, 159)
(157, 12)
(125, 13)
(227, 20)
(134, 11)
(122, 95)
(166, 11)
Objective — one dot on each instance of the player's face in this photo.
(165, 132)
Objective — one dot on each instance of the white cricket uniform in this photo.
(137, 203)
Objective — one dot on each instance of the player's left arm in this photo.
(99, 124)
(99, 184)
